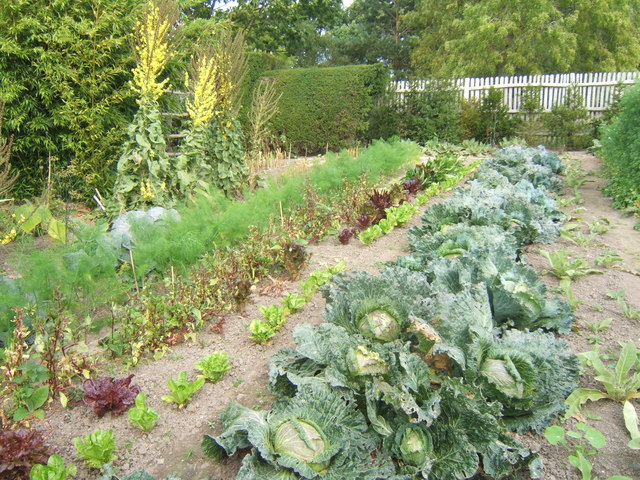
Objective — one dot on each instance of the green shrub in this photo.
(432, 114)
(65, 74)
(621, 151)
(487, 120)
(569, 122)
(326, 108)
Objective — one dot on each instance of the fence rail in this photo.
(597, 89)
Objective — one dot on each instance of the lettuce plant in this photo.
(260, 331)
(97, 448)
(182, 389)
(293, 302)
(143, 416)
(110, 394)
(214, 366)
(55, 469)
(20, 450)
(371, 234)
(621, 383)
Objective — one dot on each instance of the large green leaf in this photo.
(57, 230)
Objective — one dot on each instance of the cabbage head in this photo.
(319, 433)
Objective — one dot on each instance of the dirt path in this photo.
(605, 415)
(174, 445)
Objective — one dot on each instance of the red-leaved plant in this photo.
(110, 394)
(364, 221)
(412, 186)
(19, 451)
(345, 235)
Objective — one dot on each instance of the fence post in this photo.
(465, 88)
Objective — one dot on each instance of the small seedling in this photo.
(600, 226)
(97, 448)
(565, 286)
(599, 325)
(631, 422)
(143, 416)
(608, 259)
(214, 366)
(573, 233)
(238, 382)
(182, 390)
(629, 311)
(588, 441)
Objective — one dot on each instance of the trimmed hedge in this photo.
(326, 108)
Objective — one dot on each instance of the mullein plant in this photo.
(144, 172)
(214, 147)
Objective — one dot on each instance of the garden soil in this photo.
(174, 444)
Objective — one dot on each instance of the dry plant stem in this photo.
(264, 106)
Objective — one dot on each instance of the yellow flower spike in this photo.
(152, 51)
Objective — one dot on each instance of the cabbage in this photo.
(413, 445)
(317, 433)
(362, 361)
(379, 324)
(368, 306)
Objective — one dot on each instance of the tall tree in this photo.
(607, 33)
(292, 26)
(495, 37)
(65, 70)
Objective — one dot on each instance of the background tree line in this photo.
(65, 66)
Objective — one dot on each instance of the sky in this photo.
(346, 3)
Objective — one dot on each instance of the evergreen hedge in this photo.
(326, 108)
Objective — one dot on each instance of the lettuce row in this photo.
(420, 371)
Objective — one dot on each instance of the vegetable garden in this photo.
(391, 311)
(408, 366)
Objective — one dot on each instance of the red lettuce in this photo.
(19, 451)
(110, 394)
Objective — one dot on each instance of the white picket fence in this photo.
(597, 89)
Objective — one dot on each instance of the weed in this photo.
(618, 295)
(587, 441)
(619, 383)
(564, 267)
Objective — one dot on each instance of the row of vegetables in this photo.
(423, 370)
